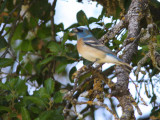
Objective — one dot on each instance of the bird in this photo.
(92, 50)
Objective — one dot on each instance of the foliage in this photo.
(31, 56)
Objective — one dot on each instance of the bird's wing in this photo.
(93, 42)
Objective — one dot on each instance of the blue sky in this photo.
(66, 11)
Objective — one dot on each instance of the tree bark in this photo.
(133, 18)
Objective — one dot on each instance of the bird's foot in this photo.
(83, 68)
(90, 65)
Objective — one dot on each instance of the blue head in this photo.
(82, 32)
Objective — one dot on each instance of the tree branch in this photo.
(52, 19)
(135, 14)
(115, 30)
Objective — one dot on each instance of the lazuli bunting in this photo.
(91, 49)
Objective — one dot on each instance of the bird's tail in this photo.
(123, 63)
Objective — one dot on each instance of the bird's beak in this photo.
(75, 30)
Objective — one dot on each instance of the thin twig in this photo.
(9, 17)
(98, 103)
(136, 86)
(52, 19)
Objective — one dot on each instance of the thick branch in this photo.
(135, 14)
(121, 91)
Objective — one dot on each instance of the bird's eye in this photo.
(79, 30)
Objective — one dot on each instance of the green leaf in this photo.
(26, 45)
(42, 93)
(59, 27)
(3, 43)
(9, 97)
(117, 42)
(41, 9)
(3, 5)
(25, 26)
(51, 115)
(12, 82)
(25, 114)
(35, 109)
(65, 37)
(21, 87)
(47, 115)
(46, 60)
(33, 22)
(58, 97)
(12, 115)
(4, 86)
(61, 67)
(72, 26)
(49, 85)
(35, 43)
(83, 77)
(44, 32)
(82, 18)
(16, 84)
(71, 73)
(54, 47)
(92, 19)
(35, 100)
(18, 32)
(4, 62)
(108, 25)
(145, 48)
(158, 39)
(28, 68)
(9, 5)
(3, 108)
(103, 13)
(98, 32)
